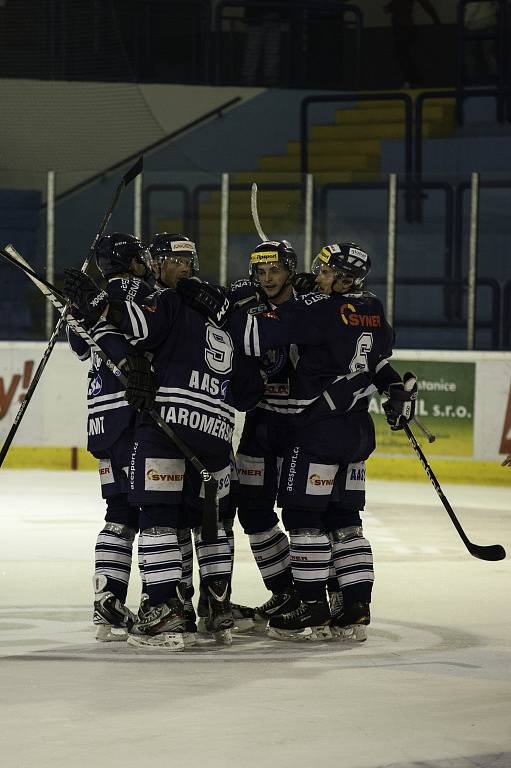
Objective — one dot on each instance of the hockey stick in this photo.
(210, 515)
(255, 213)
(425, 431)
(126, 179)
(492, 552)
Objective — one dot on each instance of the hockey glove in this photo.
(141, 385)
(304, 282)
(400, 407)
(86, 296)
(205, 298)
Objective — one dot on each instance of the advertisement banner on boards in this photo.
(445, 404)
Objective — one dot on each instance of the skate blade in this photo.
(189, 639)
(222, 637)
(355, 633)
(171, 641)
(307, 634)
(244, 625)
(105, 633)
(260, 626)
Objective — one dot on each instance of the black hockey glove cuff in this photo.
(304, 282)
(85, 295)
(400, 407)
(205, 298)
(141, 385)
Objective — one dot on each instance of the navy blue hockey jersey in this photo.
(202, 379)
(276, 363)
(108, 413)
(343, 342)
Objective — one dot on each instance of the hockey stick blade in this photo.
(493, 551)
(255, 213)
(210, 515)
(128, 177)
(134, 171)
(11, 254)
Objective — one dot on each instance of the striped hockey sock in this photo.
(113, 555)
(162, 562)
(214, 559)
(271, 553)
(353, 561)
(311, 553)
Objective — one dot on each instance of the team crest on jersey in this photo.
(273, 361)
(95, 386)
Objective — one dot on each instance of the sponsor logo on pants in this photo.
(356, 477)
(106, 474)
(223, 478)
(321, 479)
(250, 469)
(164, 474)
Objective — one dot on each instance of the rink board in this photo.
(464, 399)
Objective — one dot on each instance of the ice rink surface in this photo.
(431, 688)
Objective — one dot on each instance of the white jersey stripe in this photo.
(257, 348)
(194, 404)
(194, 395)
(104, 398)
(107, 407)
(250, 320)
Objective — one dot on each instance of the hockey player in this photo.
(173, 257)
(123, 262)
(344, 342)
(262, 444)
(196, 369)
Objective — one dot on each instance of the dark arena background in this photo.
(382, 124)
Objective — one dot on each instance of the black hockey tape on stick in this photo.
(210, 515)
(492, 552)
(126, 179)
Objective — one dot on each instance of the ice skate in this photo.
(243, 617)
(277, 605)
(190, 617)
(220, 621)
(161, 626)
(310, 621)
(351, 625)
(111, 618)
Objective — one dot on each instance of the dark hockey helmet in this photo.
(166, 245)
(346, 259)
(115, 252)
(272, 251)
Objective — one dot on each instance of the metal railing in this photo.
(494, 325)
